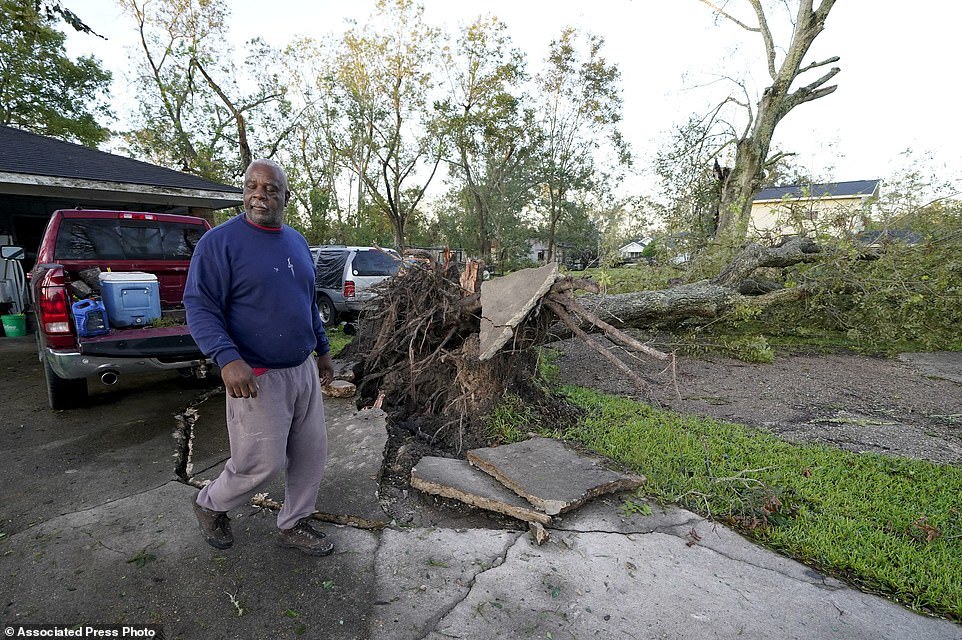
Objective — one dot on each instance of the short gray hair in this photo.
(269, 163)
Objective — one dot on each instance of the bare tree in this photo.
(785, 65)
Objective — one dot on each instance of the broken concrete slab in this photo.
(457, 479)
(607, 514)
(343, 369)
(338, 389)
(602, 585)
(355, 442)
(421, 574)
(201, 435)
(549, 475)
(506, 301)
(538, 533)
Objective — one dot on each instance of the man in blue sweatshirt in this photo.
(251, 308)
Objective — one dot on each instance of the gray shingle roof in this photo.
(31, 154)
(828, 189)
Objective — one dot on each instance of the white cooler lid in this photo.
(127, 276)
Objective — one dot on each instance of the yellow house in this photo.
(834, 208)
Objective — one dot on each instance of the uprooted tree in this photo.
(437, 353)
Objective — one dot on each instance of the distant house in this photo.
(538, 251)
(836, 208)
(633, 250)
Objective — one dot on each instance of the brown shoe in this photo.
(306, 538)
(215, 525)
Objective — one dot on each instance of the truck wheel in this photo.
(62, 393)
(327, 310)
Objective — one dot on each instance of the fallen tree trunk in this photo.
(706, 299)
(440, 356)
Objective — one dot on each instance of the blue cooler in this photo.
(132, 299)
(91, 318)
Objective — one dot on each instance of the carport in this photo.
(39, 175)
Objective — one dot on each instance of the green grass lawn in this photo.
(337, 339)
(890, 525)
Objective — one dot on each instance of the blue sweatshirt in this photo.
(250, 295)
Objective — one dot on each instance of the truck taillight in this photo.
(53, 309)
(54, 314)
(349, 289)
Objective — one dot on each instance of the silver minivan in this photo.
(345, 276)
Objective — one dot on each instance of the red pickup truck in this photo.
(77, 241)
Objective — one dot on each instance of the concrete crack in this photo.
(184, 436)
(681, 530)
(667, 529)
(431, 626)
(91, 508)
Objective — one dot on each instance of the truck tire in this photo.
(63, 393)
(327, 310)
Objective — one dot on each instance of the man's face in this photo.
(265, 195)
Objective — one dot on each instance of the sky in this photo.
(896, 90)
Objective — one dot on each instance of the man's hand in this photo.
(325, 369)
(239, 380)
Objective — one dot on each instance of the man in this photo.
(251, 308)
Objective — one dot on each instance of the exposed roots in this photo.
(418, 352)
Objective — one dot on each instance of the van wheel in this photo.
(63, 393)
(326, 309)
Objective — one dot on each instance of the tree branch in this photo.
(767, 37)
(810, 91)
(728, 16)
(244, 147)
(818, 64)
(610, 357)
(754, 256)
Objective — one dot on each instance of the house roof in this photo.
(852, 189)
(32, 154)
(905, 236)
(640, 244)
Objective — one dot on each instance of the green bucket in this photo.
(14, 325)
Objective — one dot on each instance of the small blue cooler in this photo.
(91, 318)
(132, 298)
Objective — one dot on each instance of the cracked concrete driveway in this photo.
(95, 527)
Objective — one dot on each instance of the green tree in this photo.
(688, 182)
(311, 154)
(492, 137)
(386, 77)
(41, 89)
(581, 111)
(193, 114)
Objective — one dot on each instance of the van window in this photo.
(330, 269)
(114, 239)
(375, 263)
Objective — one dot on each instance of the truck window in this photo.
(106, 239)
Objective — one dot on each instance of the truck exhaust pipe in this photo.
(109, 378)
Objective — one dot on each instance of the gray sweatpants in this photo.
(281, 429)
